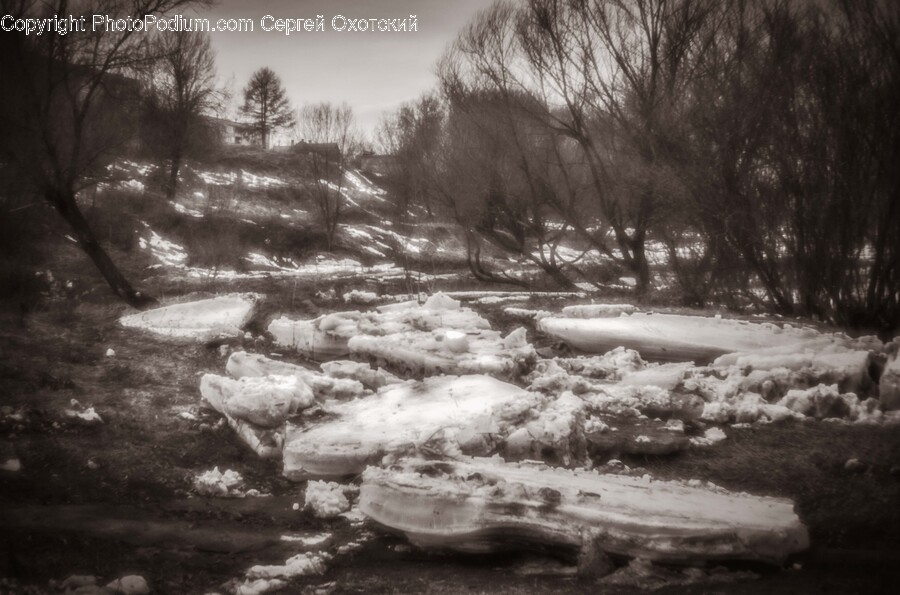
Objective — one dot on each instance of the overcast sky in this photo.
(373, 72)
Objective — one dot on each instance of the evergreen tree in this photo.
(266, 104)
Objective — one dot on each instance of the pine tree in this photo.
(266, 104)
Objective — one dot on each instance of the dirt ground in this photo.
(115, 498)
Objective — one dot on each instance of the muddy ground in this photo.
(115, 498)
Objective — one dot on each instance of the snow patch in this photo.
(166, 252)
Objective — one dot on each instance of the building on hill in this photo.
(237, 133)
(377, 164)
(331, 151)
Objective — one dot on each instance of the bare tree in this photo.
(794, 127)
(67, 108)
(266, 104)
(182, 89)
(332, 139)
(752, 139)
(619, 69)
(412, 135)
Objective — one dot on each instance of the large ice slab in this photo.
(672, 337)
(403, 417)
(597, 310)
(204, 319)
(481, 505)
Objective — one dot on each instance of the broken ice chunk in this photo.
(216, 483)
(321, 338)
(439, 301)
(710, 436)
(326, 499)
(264, 401)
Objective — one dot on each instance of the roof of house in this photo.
(227, 122)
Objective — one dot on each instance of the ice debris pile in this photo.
(260, 395)
(81, 584)
(442, 415)
(563, 410)
(753, 371)
(438, 337)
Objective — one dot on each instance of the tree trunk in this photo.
(555, 273)
(641, 267)
(65, 204)
(172, 184)
(330, 229)
(473, 259)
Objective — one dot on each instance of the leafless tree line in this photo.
(327, 124)
(61, 110)
(756, 141)
(71, 104)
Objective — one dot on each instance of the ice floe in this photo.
(476, 504)
(223, 315)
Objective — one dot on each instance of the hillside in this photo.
(248, 216)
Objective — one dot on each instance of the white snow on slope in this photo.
(180, 208)
(241, 177)
(361, 184)
(166, 252)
